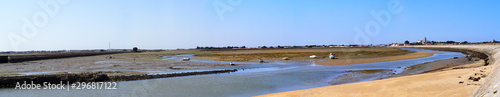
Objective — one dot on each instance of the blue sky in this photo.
(170, 24)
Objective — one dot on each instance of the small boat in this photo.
(232, 64)
(313, 56)
(186, 59)
(285, 58)
(332, 56)
(261, 61)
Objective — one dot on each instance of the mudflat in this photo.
(301, 54)
(378, 59)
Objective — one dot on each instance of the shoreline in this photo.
(488, 88)
(153, 61)
(119, 58)
(445, 83)
(427, 67)
(442, 81)
(154, 76)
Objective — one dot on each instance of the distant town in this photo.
(425, 41)
(406, 43)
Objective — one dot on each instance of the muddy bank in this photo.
(377, 59)
(145, 61)
(427, 67)
(301, 54)
(472, 53)
(32, 57)
(354, 76)
(9, 82)
(436, 66)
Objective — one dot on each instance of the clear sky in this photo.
(170, 24)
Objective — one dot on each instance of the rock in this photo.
(460, 82)
(474, 78)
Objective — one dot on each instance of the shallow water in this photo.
(256, 79)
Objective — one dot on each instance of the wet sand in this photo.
(378, 59)
(489, 87)
(454, 83)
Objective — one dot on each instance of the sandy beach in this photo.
(436, 84)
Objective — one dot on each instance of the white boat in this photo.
(186, 59)
(313, 56)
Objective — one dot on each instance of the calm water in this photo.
(257, 79)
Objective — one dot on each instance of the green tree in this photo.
(407, 42)
(135, 49)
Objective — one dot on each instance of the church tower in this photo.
(425, 40)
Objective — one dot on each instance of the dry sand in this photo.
(436, 84)
(373, 60)
(490, 86)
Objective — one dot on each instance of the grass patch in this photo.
(9, 74)
(300, 54)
